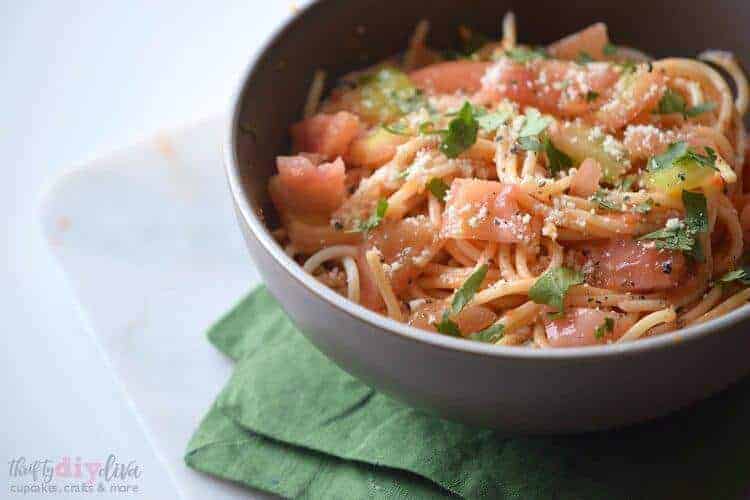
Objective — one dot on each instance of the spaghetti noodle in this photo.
(577, 194)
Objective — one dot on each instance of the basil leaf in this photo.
(530, 144)
(674, 152)
(609, 49)
(696, 211)
(492, 121)
(464, 294)
(557, 159)
(591, 96)
(551, 287)
(375, 219)
(604, 328)
(438, 188)
(447, 326)
(699, 109)
(670, 102)
(534, 124)
(491, 334)
(461, 134)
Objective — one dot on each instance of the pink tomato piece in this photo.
(582, 326)
(470, 320)
(634, 266)
(635, 93)
(450, 77)
(302, 187)
(585, 182)
(326, 134)
(590, 41)
(487, 210)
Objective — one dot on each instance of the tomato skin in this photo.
(578, 327)
(303, 187)
(591, 41)
(450, 77)
(328, 135)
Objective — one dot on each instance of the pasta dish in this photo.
(576, 194)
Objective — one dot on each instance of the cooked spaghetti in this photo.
(577, 194)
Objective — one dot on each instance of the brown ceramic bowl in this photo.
(508, 388)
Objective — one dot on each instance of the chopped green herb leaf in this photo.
(447, 326)
(492, 121)
(530, 144)
(551, 287)
(534, 124)
(557, 159)
(700, 109)
(376, 218)
(707, 160)
(696, 211)
(438, 188)
(672, 239)
(584, 58)
(604, 328)
(674, 152)
(464, 294)
(628, 66)
(627, 183)
(462, 132)
(591, 96)
(670, 102)
(491, 334)
(609, 49)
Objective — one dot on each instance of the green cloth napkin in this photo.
(291, 422)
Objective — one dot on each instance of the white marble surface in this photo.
(81, 78)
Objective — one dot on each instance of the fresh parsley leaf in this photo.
(492, 121)
(672, 239)
(707, 160)
(609, 49)
(700, 109)
(491, 334)
(462, 132)
(375, 219)
(523, 54)
(742, 275)
(551, 287)
(604, 328)
(644, 207)
(627, 183)
(674, 152)
(601, 198)
(530, 143)
(696, 211)
(557, 159)
(438, 188)
(464, 294)
(448, 326)
(670, 102)
(584, 58)
(591, 96)
(396, 129)
(534, 124)
(628, 66)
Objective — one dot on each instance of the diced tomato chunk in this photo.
(634, 266)
(487, 210)
(301, 187)
(634, 93)
(450, 77)
(327, 134)
(578, 327)
(585, 182)
(470, 320)
(591, 41)
(554, 86)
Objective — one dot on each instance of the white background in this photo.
(80, 79)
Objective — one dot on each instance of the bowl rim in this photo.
(389, 326)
